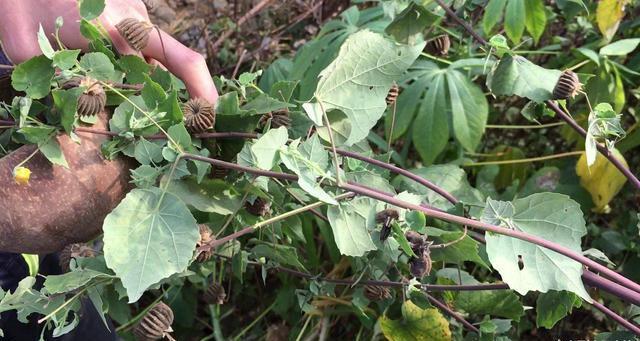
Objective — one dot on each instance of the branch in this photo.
(452, 313)
(632, 327)
(551, 104)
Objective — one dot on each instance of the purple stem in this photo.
(616, 289)
(452, 313)
(632, 327)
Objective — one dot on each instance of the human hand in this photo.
(21, 20)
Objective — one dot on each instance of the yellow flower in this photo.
(21, 175)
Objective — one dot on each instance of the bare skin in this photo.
(61, 206)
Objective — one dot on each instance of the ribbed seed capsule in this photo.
(199, 115)
(439, 45)
(278, 119)
(392, 96)
(155, 324)
(218, 172)
(205, 238)
(421, 266)
(260, 207)
(74, 251)
(568, 85)
(215, 294)
(376, 292)
(135, 32)
(92, 101)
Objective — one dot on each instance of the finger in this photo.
(20, 44)
(185, 63)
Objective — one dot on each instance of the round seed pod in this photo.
(414, 237)
(93, 99)
(156, 324)
(74, 82)
(385, 232)
(279, 118)
(439, 45)
(215, 294)
(218, 172)
(421, 266)
(568, 85)
(205, 238)
(392, 96)
(74, 251)
(260, 207)
(376, 292)
(135, 32)
(199, 115)
(389, 213)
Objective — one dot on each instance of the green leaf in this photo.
(536, 18)
(351, 222)
(542, 215)
(514, 19)
(620, 48)
(91, 9)
(553, 306)
(516, 75)
(469, 109)
(134, 68)
(410, 22)
(145, 176)
(34, 77)
(431, 126)
(147, 152)
(66, 101)
(265, 150)
(60, 284)
(149, 236)
(65, 59)
(97, 65)
(45, 45)
(264, 104)
(53, 153)
(309, 161)
(180, 135)
(211, 195)
(492, 14)
(37, 134)
(457, 253)
(33, 263)
(417, 324)
(283, 254)
(152, 93)
(277, 71)
(358, 80)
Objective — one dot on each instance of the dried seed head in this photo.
(414, 237)
(389, 213)
(156, 324)
(74, 82)
(421, 266)
(199, 115)
(439, 45)
(568, 85)
(260, 207)
(279, 118)
(205, 238)
(218, 172)
(74, 251)
(135, 32)
(385, 232)
(392, 96)
(376, 292)
(93, 99)
(215, 294)
(278, 332)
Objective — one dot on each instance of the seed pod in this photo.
(392, 96)
(74, 82)
(568, 85)
(376, 292)
(199, 115)
(215, 294)
(385, 231)
(135, 32)
(279, 118)
(421, 266)
(93, 99)
(74, 251)
(156, 324)
(386, 217)
(439, 45)
(260, 207)
(205, 238)
(218, 172)
(414, 237)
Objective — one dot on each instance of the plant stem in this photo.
(632, 327)
(435, 58)
(333, 145)
(530, 126)
(452, 313)
(527, 160)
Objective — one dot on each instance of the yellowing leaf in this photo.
(416, 324)
(608, 16)
(603, 180)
